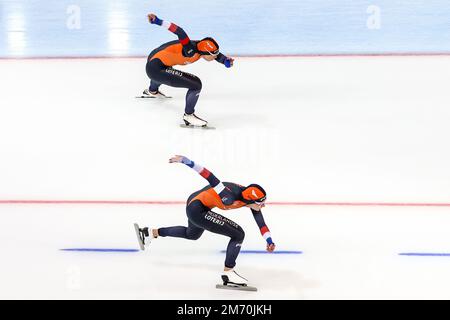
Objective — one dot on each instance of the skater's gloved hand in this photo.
(270, 247)
(179, 159)
(153, 19)
(228, 62)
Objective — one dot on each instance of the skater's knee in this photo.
(197, 85)
(239, 235)
(242, 235)
(193, 235)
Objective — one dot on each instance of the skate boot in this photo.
(153, 94)
(193, 120)
(230, 277)
(144, 236)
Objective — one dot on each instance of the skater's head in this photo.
(208, 48)
(255, 196)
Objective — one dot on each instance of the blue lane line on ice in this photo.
(263, 251)
(425, 254)
(99, 250)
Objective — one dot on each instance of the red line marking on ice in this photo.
(275, 203)
(307, 55)
(138, 202)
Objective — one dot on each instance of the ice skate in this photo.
(192, 121)
(153, 94)
(144, 236)
(232, 280)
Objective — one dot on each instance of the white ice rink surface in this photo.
(361, 129)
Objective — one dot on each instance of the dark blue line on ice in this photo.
(263, 251)
(99, 250)
(425, 254)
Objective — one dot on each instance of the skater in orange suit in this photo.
(225, 196)
(181, 52)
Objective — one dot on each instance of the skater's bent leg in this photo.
(160, 74)
(217, 223)
(169, 76)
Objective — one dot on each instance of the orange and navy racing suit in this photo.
(179, 52)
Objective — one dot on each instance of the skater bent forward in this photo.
(180, 52)
(223, 195)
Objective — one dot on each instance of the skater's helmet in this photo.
(254, 193)
(207, 46)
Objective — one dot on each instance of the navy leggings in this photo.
(200, 218)
(159, 74)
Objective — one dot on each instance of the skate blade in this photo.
(197, 127)
(236, 287)
(141, 244)
(145, 97)
(153, 97)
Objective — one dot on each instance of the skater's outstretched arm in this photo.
(223, 59)
(172, 27)
(265, 232)
(225, 195)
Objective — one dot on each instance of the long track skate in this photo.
(232, 286)
(190, 126)
(139, 237)
(147, 95)
(152, 97)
